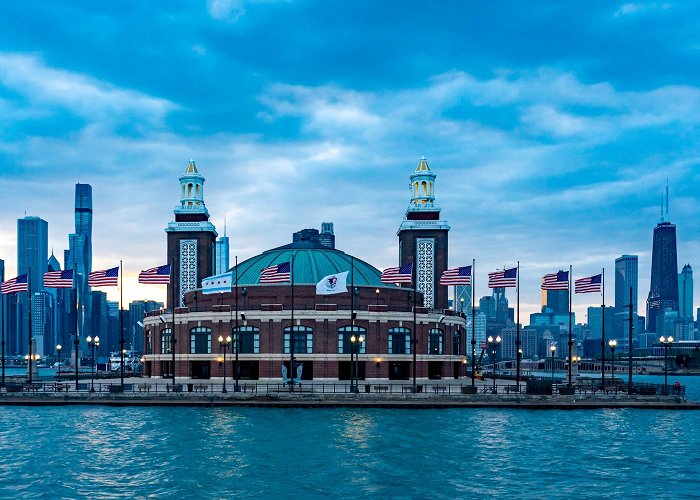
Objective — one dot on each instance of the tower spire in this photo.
(668, 219)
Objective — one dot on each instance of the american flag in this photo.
(279, 273)
(402, 274)
(504, 279)
(457, 276)
(156, 275)
(108, 277)
(18, 284)
(59, 279)
(588, 285)
(556, 281)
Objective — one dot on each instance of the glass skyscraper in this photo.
(685, 292)
(80, 256)
(32, 255)
(663, 292)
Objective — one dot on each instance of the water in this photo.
(54, 452)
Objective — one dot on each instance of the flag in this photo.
(590, 284)
(556, 281)
(279, 273)
(395, 275)
(156, 275)
(332, 284)
(506, 278)
(457, 276)
(18, 284)
(218, 283)
(59, 279)
(107, 277)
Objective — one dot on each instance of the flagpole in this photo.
(121, 319)
(29, 288)
(354, 377)
(413, 346)
(570, 337)
(291, 331)
(602, 338)
(76, 341)
(517, 333)
(2, 328)
(473, 331)
(173, 340)
(237, 387)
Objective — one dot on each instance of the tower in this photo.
(685, 292)
(80, 256)
(222, 252)
(423, 237)
(32, 252)
(191, 237)
(663, 292)
(626, 277)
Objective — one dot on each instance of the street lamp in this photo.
(58, 350)
(553, 350)
(461, 304)
(376, 292)
(378, 364)
(355, 342)
(92, 343)
(493, 346)
(613, 345)
(666, 342)
(224, 344)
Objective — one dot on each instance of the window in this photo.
(149, 342)
(435, 341)
(456, 342)
(166, 341)
(303, 340)
(249, 339)
(399, 341)
(344, 334)
(200, 340)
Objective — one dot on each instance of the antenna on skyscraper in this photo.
(224, 226)
(667, 217)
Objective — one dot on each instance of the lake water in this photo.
(57, 452)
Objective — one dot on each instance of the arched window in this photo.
(149, 342)
(166, 341)
(399, 341)
(249, 340)
(344, 334)
(303, 340)
(189, 190)
(200, 340)
(435, 341)
(415, 189)
(425, 188)
(456, 342)
(431, 188)
(196, 191)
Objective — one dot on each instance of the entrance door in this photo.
(200, 369)
(247, 370)
(399, 370)
(435, 370)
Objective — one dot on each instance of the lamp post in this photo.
(92, 343)
(613, 344)
(224, 343)
(355, 342)
(493, 346)
(553, 350)
(376, 293)
(666, 342)
(58, 374)
(461, 305)
(378, 364)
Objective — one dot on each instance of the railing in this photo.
(145, 388)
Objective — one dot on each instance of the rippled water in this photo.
(70, 452)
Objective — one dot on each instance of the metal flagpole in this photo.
(2, 327)
(173, 340)
(29, 289)
(354, 376)
(571, 342)
(414, 275)
(237, 339)
(76, 342)
(291, 331)
(631, 349)
(121, 319)
(473, 325)
(602, 338)
(517, 333)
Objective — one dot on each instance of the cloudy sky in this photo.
(552, 126)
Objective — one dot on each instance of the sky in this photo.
(553, 127)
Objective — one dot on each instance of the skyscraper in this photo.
(663, 292)
(32, 255)
(222, 253)
(685, 292)
(557, 301)
(80, 256)
(626, 277)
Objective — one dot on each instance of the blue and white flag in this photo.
(217, 284)
(332, 284)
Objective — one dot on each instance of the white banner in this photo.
(332, 284)
(216, 284)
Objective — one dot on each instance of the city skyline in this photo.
(550, 159)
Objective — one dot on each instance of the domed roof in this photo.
(310, 266)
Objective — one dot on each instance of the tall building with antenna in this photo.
(663, 292)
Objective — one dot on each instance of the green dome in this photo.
(310, 266)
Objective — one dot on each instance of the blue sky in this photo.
(552, 126)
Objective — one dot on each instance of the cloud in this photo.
(628, 9)
(232, 11)
(46, 88)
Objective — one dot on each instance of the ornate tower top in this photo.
(191, 192)
(422, 189)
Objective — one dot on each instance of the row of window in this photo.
(247, 340)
